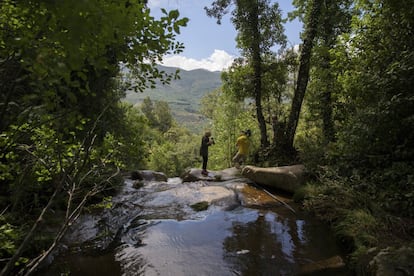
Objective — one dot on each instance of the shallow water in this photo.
(158, 240)
(241, 242)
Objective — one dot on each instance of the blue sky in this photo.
(209, 45)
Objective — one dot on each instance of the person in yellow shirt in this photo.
(242, 145)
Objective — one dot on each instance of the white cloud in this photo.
(174, 4)
(154, 3)
(219, 60)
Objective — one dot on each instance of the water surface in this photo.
(239, 242)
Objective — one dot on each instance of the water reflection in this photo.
(242, 242)
(239, 242)
(267, 244)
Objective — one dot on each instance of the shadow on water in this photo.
(239, 242)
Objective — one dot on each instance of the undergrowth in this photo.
(359, 223)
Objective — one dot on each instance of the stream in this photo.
(153, 228)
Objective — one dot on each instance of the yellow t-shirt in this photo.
(243, 144)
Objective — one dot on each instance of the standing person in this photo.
(206, 141)
(242, 145)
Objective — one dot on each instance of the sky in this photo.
(208, 45)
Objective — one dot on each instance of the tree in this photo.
(147, 108)
(335, 21)
(276, 90)
(229, 116)
(164, 117)
(311, 27)
(376, 80)
(158, 114)
(259, 27)
(377, 133)
(59, 102)
(177, 150)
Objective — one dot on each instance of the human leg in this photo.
(205, 160)
(237, 159)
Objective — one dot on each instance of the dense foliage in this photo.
(172, 148)
(259, 28)
(364, 163)
(229, 115)
(355, 129)
(373, 103)
(378, 129)
(64, 134)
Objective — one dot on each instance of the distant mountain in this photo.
(182, 95)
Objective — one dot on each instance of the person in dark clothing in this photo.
(206, 141)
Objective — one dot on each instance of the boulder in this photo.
(393, 261)
(286, 178)
(191, 175)
(149, 175)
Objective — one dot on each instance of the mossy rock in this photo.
(200, 206)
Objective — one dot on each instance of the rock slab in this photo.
(286, 178)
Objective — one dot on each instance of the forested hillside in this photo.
(183, 95)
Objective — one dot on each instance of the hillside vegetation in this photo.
(183, 95)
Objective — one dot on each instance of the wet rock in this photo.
(90, 233)
(252, 197)
(187, 195)
(287, 178)
(390, 261)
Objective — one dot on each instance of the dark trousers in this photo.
(205, 159)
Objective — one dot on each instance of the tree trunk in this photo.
(303, 75)
(257, 80)
(259, 109)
